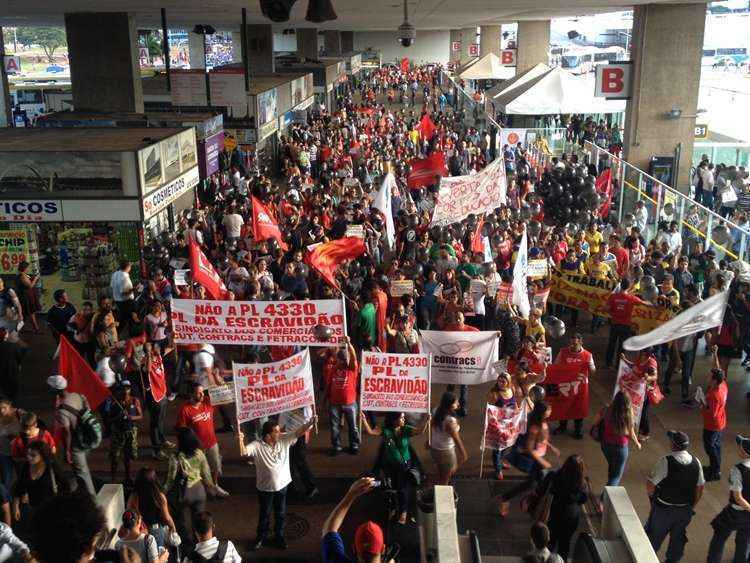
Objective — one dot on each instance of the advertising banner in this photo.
(31, 210)
(502, 426)
(227, 88)
(511, 137)
(161, 198)
(464, 358)
(567, 392)
(460, 196)
(14, 249)
(268, 389)
(395, 382)
(208, 154)
(188, 87)
(275, 323)
(628, 381)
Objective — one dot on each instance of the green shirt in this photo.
(368, 323)
(470, 269)
(397, 446)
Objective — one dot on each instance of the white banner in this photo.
(382, 203)
(402, 287)
(502, 426)
(274, 323)
(538, 268)
(480, 193)
(703, 316)
(458, 357)
(395, 382)
(511, 137)
(520, 274)
(268, 389)
(631, 383)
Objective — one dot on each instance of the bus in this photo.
(582, 60)
(35, 96)
(724, 56)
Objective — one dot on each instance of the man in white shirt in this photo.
(123, 295)
(673, 238)
(641, 215)
(271, 457)
(233, 222)
(209, 547)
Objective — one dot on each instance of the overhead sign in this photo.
(188, 87)
(508, 57)
(14, 249)
(455, 46)
(162, 197)
(12, 64)
(613, 81)
(473, 49)
(395, 382)
(701, 131)
(227, 87)
(31, 210)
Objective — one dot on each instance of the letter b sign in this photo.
(613, 81)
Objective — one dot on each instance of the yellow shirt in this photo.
(414, 136)
(594, 240)
(597, 270)
(537, 331)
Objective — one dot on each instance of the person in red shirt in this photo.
(341, 393)
(621, 254)
(381, 298)
(714, 412)
(456, 324)
(575, 355)
(30, 432)
(620, 307)
(198, 415)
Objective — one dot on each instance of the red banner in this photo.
(477, 245)
(567, 392)
(203, 272)
(604, 189)
(264, 226)
(426, 127)
(326, 257)
(81, 377)
(424, 170)
(405, 64)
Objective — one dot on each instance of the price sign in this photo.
(13, 250)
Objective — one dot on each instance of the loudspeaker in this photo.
(277, 10)
(573, 34)
(320, 11)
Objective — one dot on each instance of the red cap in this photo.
(368, 539)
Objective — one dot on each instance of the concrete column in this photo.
(489, 40)
(236, 46)
(307, 43)
(454, 56)
(332, 42)
(347, 41)
(666, 53)
(259, 49)
(468, 36)
(196, 50)
(533, 44)
(6, 111)
(104, 69)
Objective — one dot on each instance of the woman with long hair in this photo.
(39, 479)
(446, 438)
(398, 464)
(188, 475)
(618, 429)
(150, 501)
(568, 488)
(26, 284)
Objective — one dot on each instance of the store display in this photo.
(97, 262)
(70, 242)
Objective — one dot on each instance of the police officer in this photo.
(675, 486)
(736, 515)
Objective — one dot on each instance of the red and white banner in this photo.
(395, 382)
(274, 323)
(629, 381)
(268, 389)
(203, 272)
(464, 358)
(480, 193)
(502, 426)
(567, 392)
(424, 171)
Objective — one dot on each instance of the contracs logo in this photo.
(450, 350)
(26, 208)
(513, 138)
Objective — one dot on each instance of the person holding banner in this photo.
(583, 360)
(445, 438)
(341, 380)
(508, 395)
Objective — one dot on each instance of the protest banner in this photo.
(479, 193)
(221, 394)
(395, 382)
(275, 323)
(14, 249)
(502, 426)
(567, 392)
(268, 389)
(464, 358)
(537, 269)
(355, 231)
(539, 298)
(631, 382)
(181, 277)
(402, 287)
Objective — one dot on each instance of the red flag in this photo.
(203, 272)
(477, 244)
(567, 392)
(81, 378)
(604, 189)
(426, 127)
(326, 257)
(264, 226)
(405, 64)
(424, 170)
(156, 378)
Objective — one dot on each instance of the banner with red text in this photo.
(502, 426)
(631, 382)
(567, 392)
(464, 358)
(271, 323)
(268, 389)
(479, 193)
(395, 382)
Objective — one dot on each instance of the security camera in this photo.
(406, 32)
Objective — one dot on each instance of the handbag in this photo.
(655, 396)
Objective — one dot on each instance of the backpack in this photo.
(88, 433)
(221, 552)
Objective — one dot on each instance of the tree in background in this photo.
(48, 38)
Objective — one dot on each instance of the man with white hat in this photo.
(68, 408)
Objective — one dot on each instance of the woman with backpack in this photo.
(151, 502)
(616, 424)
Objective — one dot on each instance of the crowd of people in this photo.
(331, 168)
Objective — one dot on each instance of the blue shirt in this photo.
(333, 549)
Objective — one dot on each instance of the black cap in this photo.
(743, 442)
(679, 439)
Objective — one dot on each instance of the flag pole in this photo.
(484, 434)
(359, 401)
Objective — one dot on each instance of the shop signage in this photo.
(31, 210)
(613, 81)
(13, 250)
(208, 154)
(474, 49)
(455, 46)
(286, 119)
(268, 129)
(188, 87)
(508, 57)
(356, 64)
(701, 131)
(162, 197)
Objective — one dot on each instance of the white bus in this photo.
(582, 60)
